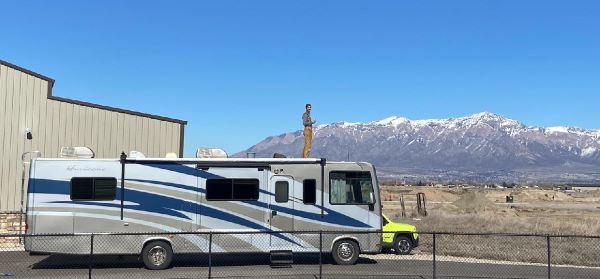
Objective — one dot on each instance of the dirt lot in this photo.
(473, 210)
(485, 210)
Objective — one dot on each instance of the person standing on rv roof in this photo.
(308, 134)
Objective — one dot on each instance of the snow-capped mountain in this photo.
(480, 142)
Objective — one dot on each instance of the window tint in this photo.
(232, 189)
(82, 188)
(282, 189)
(219, 189)
(350, 187)
(245, 189)
(93, 188)
(309, 191)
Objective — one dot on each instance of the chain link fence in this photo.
(242, 254)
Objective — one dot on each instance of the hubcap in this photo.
(345, 251)
(403, 246)
(157, 255)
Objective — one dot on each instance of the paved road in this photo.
(256, 266)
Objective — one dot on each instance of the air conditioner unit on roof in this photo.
(81, 152)
(171, 155)
(133, 154)
(210, 153)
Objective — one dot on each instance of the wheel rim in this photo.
(345, 251)
(157, 255)
(403, 246)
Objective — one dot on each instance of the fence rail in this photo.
(246, 254)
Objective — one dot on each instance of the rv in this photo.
(81, 197)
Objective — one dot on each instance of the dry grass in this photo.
(570, 251)
(507, 222)
(564, 251)
(477, 211)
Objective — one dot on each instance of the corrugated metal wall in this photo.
(24, 103)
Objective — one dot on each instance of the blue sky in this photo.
(240, 71)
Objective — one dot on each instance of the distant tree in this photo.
(504, 184)
(420, 183)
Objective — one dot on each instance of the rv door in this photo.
(281, 208)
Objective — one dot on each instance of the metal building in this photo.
(31, 118)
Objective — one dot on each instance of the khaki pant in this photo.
(308, 134)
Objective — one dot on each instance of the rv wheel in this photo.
(403, 245)
(157, 255)
(345, 252)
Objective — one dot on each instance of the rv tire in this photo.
(157, 255)
(345, 252)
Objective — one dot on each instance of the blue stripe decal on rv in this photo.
(171, 206)
(332, 217)
(184, 169)
(154, 203)
(184, 187)
(169, 184)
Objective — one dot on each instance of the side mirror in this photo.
(372, 204)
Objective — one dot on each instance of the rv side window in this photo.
(282, 189)
(232, 189)
(350, 187)
(93, 188)
(310, 191)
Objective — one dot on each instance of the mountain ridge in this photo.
(479, 143)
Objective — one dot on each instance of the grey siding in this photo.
(25, 102)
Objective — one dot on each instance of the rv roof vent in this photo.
(76, 152)
(136, 155)
(171, 155)
(210, 153)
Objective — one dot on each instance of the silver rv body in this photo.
(85, 196)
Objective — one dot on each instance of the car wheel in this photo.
(157, 255)
(403, 245)
(345, 252)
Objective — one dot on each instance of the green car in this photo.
(402, 238)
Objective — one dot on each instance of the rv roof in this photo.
(203, 160)
(216, 162)
(229, 160)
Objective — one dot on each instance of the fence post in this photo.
(91, 256)
(434, 262)
(21, 240)
(320, 254)
(549, 257)
(210, 240)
